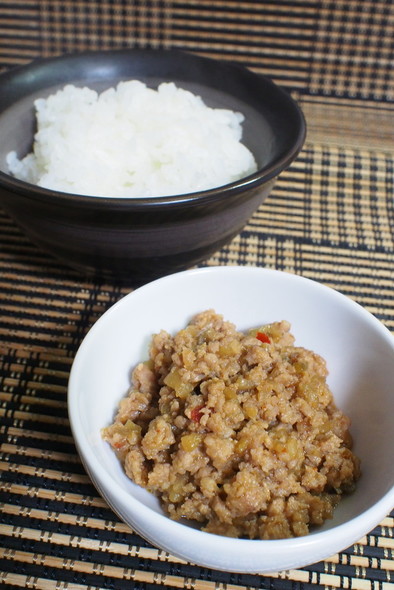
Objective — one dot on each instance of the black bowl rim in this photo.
(250, 182)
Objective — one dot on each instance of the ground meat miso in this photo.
(237, 431)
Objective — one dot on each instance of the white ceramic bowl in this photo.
(360, 354)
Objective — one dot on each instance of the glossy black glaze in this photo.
(139, 239)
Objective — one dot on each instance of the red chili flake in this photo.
(196, 414)
(263, 337)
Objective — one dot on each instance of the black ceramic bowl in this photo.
(137, 239)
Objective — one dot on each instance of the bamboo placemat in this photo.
(342, 48)
(330, 217)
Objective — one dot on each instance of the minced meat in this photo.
(238, 432)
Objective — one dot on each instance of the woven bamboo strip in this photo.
(37, 582)
(46, 493)
(26, 400)
(22, 416)
(37, 452)
(37, 385)
(44, 337)
(244, 11)
(304, 6)
(13, 306)
(56, 296)
(14, 432)
(31, 347)
(300, 575)
(347, 180)
(86, 543)
(137, 551)
(344, 221)
(54, 495)
(43, 472)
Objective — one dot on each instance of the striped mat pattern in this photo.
(330, 218)
(341, 48)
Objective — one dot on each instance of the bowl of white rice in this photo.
(131, 164)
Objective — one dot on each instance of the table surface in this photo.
(330, 218)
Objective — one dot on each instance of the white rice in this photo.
(133, 141)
